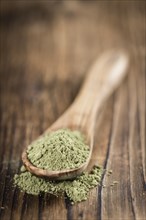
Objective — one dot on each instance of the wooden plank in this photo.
(46, 49)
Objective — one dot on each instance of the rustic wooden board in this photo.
(46, 50)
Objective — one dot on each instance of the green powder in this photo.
(62, 149)
(76, 190)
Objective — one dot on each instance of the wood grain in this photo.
(46, 48)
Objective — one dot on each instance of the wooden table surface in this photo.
(46, 50)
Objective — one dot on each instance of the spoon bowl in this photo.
(60, 174)
(103, 78)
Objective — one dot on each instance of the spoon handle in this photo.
(103, 78)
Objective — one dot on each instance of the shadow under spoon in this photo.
(103, 78)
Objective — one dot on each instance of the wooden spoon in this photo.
(104, 77)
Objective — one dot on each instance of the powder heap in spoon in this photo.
(62, 149)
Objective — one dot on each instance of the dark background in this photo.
(46, 49)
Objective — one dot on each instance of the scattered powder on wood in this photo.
(76, 190)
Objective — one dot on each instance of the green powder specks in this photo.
(77, 189)
(62, 149)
